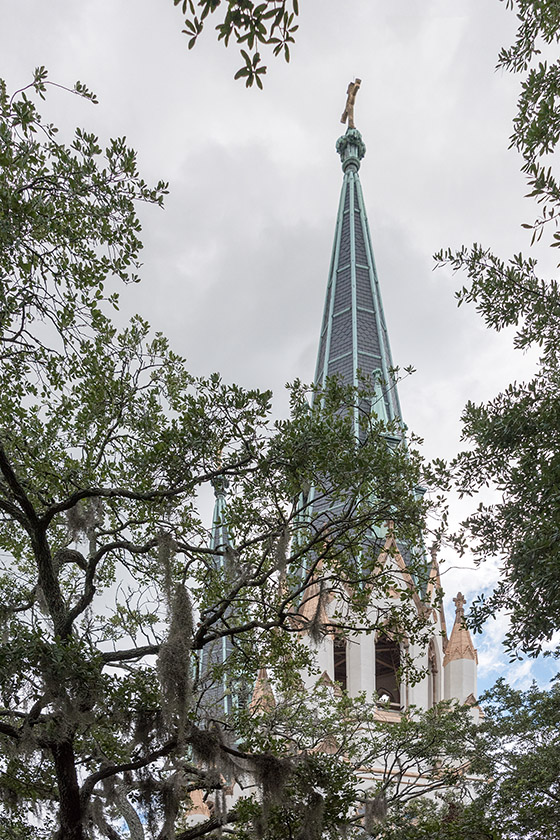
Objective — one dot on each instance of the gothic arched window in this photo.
(340, 662)
(387, 664)
(433, 676)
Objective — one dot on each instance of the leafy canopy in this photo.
(521, 760)
(511, 787)
(513, 439)
(131, 642)
(67, 226)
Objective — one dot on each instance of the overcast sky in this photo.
(235, 268)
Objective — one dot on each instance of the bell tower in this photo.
(354, 343)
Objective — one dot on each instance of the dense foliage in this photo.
(116, 702)
(117, 711)
(512, 790)
(514, 439)
(521, 761)
(68, 224)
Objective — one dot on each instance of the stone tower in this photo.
(354, 341)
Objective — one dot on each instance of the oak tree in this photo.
(131, 641)
(513, 439)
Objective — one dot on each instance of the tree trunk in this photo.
(71, 822)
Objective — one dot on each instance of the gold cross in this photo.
(348, 113)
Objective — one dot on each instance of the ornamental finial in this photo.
(459, 602)
(348, 113)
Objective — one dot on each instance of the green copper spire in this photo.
(354, 341)
(354, 336)
(219, 538)
(219, 695)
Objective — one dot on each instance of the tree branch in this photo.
(204, 828)
(15, 486)
(128, 655)
(6, 729)
(112, 770)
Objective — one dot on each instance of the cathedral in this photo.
(354, 338)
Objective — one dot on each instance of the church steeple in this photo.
(219, 692)
(354, 335)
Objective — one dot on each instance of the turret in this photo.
(459, 664)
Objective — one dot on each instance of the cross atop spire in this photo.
(348, 113)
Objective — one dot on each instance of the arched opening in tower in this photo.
(340, 662)
(387, 664)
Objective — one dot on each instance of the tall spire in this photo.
(354, 336)
(215, 654)
(219, 539)
(461, 659)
